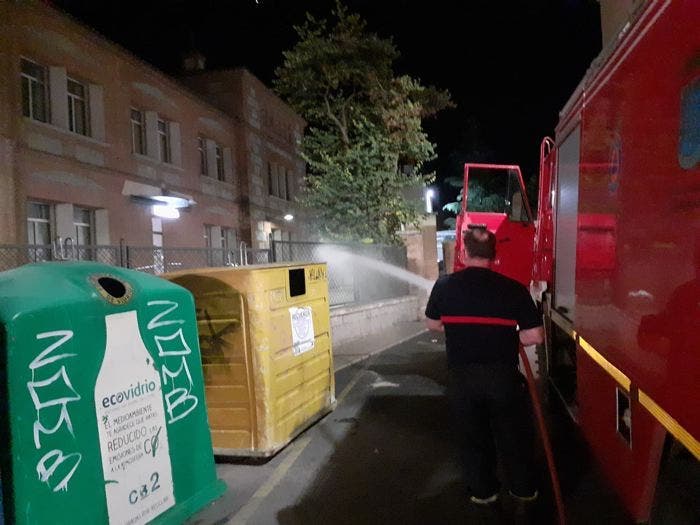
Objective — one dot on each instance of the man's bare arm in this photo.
(434, 324)
(532, 336)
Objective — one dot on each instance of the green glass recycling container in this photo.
(103, 415)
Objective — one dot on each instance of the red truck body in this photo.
(617, 250)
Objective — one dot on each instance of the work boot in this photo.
(486, 511)
(484, 502)
(524, 508)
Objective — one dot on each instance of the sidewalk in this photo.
(353, 351)
(260, 492)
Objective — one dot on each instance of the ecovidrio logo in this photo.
(132, 392)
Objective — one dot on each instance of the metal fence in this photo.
(357, 273)
(353, 274)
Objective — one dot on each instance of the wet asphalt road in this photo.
(386, 455)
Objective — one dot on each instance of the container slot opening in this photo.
(297, 282)
(112, 286)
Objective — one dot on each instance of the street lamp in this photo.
(169, 207)
(429, 194)
(165, 211)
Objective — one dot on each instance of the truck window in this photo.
(495, 191)
(689, 140)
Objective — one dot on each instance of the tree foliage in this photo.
(364, 125)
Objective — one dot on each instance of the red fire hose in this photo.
(545, 436)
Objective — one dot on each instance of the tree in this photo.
(480, 199)
(364, 126)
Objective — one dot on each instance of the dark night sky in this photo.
(509, 65)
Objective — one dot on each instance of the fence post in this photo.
(355, 284)
(120, 258)
(273, 245)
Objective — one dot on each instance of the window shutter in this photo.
(175, 144)
(97, 112)
(274, 190)
(215, 237)
(64, 221)
(58, 96)
(228, 165)
(211, 159)
(289, 181)
(101, 227)
(283, 183)
(152, 146)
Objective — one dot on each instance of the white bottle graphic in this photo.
(131, 425)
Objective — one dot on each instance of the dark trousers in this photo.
(492, 418)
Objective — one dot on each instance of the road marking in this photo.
(350, 386)
(246, 512)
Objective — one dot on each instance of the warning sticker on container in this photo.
(302, 329)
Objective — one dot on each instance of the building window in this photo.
(202, 148)
(229, 239)
(208, 241)
(164, 141)
(138, 132)
(82, 220)
(287, 181)
(269, 178)
(282, 186)
(77, 107)
(278, 181)
(38, 223)
(34, 91)
(272, 180)
(83, 223)
(158, 254)
(220, 163)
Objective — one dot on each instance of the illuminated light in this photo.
(173, 202)
(429, 194)
(289, 217)
(165, 212)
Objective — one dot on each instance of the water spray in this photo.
(342, 258)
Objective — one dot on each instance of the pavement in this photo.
(385, 454)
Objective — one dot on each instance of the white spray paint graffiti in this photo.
(179, 400)
(53, 389)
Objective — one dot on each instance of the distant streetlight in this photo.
(429, 194)
(289, 217)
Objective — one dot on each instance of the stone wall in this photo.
(353, 322)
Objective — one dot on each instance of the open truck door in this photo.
(494, 197)
(544, 237)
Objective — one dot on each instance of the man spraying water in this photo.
(484, 316)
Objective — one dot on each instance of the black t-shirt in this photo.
(480, 309)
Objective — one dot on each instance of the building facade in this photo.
(271, 134)
(91, 138)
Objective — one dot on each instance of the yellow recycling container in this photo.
(264, 333)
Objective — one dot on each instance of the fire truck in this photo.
(616, 258)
